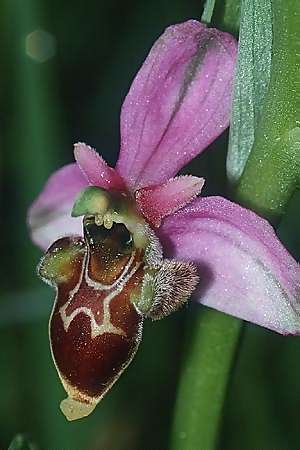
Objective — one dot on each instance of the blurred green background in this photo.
(66, 67)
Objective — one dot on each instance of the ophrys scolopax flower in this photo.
(131, 243)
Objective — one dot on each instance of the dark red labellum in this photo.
(94, 328)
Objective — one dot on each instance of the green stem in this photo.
(272, 171)
(210, 349)
(208, 11)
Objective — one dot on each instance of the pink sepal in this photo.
(49, 217)
(244, 268)
(179, 102)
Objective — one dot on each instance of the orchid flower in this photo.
(136, 241)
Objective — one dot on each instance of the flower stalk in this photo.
(211, 342)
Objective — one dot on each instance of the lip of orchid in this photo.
(118, 257)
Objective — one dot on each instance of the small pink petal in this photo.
(96, 169)
(157, 202)
(244, 269)
(179, 102)
(49, 216)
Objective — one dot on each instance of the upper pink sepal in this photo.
(49, 217)
(157, 202)
(245, 270)
(96, 169)
(179, 102)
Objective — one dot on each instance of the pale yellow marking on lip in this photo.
(117, 286)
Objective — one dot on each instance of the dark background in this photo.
(76, 95)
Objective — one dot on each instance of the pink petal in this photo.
(157, 202)
(95, 168)
(245, 270)
(178, 103)
(49, 217)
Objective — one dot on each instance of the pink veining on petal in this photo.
(49, 217)
(96, 170)
(157, 202)
(244, 269)
(178, 103)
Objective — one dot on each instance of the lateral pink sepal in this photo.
(245, 270)
(49, 216)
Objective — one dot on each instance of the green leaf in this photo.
(21, 442)
(251, 82)
(272, 172)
